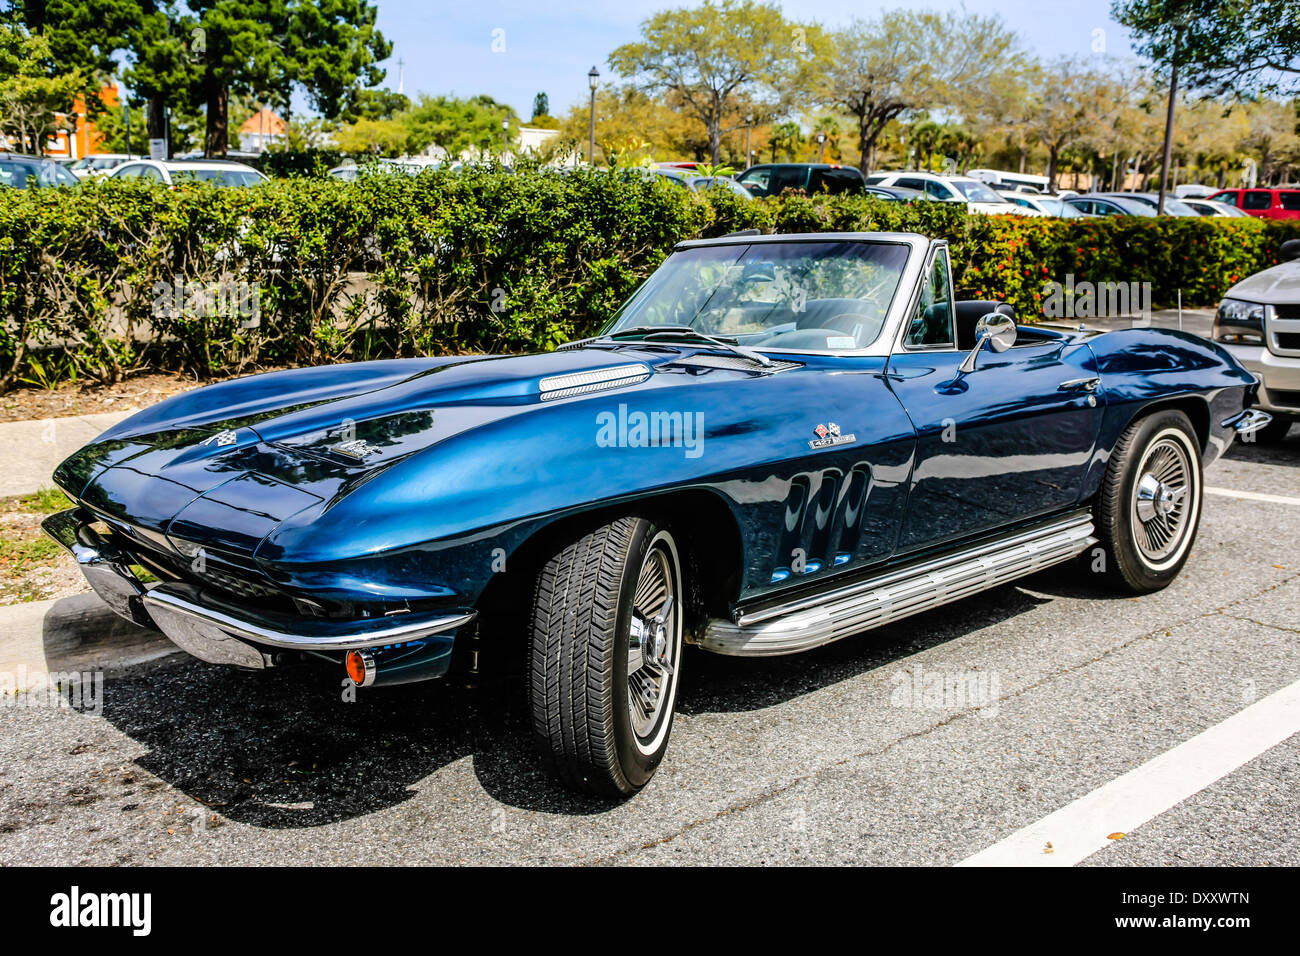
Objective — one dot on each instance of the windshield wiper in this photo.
(677, 331)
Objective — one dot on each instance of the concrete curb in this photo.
(31, 450)
(76, 633)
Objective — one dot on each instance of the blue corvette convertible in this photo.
(777, 442)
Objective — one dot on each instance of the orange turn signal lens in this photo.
(360, 668)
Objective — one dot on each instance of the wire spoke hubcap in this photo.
(1160, 501)
(652, 642)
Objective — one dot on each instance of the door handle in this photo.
(1089, 384)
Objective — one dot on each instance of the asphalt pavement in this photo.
(1007, 724)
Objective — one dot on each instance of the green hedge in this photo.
(478, 260)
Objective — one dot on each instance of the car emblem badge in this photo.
(357, 449)
(228, 437)
(829, 435)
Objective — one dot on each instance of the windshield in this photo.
(222, 177)
(807, 296)
(975, 191)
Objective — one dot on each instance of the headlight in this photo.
(1239, 323)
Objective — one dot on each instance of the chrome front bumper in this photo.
(212, 629)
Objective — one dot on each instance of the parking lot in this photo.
(935, 739)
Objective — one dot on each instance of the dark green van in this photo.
(771, 179)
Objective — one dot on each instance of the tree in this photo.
(374, 104)
(1224, 47)
(111, 126)
(632, 127)
(100, 37)
(541, 105)
(721, 61)
(455, 125)
(1064, 106)
(374, 137)
(905, 60)
(266, 48)
(333, 50)
(33, 104)
(787, 136)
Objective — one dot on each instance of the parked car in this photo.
(98, 164)
(19, 171)
(171, 172)
(1208, 207)
(1258, 321)
(755, 457)
(1194, 191)
(687, 179)
(411, 167)
(1173, 205)
(896, 193)
(771, 179)
(1003, 180)
(1043, 205)
(1265, 203)
(1094, 204)
(976, 195)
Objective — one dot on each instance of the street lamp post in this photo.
(821, 146)
(749, 125)
(505, 137)
(593, 77)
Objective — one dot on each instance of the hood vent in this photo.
(579, 383)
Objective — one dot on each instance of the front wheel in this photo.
(606, 652)
(1149, 505)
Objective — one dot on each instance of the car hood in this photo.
(221, 467)
(1279, 285)
(995, 208)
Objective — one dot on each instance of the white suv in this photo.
(219, 171)
(1259, 322)
(977, 196)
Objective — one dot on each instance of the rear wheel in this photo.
(1149, 506)
(606, 654)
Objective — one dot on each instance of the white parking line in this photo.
(1083, 827)
(1252, 496)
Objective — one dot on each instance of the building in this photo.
(264, 128)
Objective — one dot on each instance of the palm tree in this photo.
(787, 136)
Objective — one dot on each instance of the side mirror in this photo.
(998, 330)
(1290, 250)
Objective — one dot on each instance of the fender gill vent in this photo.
(577, 383)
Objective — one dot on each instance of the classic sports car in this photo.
(777, 442)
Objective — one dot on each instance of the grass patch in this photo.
(44, 502)
(20, 555)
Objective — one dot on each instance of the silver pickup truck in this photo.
(1259, 322)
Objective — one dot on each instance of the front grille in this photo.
(1289, 341)
(217, 573)
(1286, 311)
(1282, 399)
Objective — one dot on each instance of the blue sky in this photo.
(551, 44)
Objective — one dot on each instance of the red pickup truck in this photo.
(1267, 203)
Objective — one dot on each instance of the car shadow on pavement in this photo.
(1284, 452)
(712, 683)
(282, 749)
